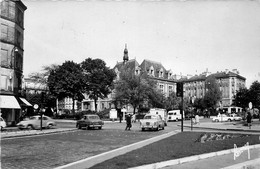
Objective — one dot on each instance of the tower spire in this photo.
(125, 58)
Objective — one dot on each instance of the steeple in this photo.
(125, 58)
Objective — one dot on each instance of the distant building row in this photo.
(194, 86)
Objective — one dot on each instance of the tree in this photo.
(98, 79)
(135, 90)
(254, 94)
(42, 78)
(67, 81)
(241, 99)
(172, 102)
(213, 93)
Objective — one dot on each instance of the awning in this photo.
(25, 101)
(9, 102)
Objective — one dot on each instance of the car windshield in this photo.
(32, 118)
(93, 117)
(150, 117)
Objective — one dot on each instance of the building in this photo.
(12, 48)
(166, 80)
(229, 82)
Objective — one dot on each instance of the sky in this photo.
(187, 37)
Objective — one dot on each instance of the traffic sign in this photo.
(250, 105)
(35, 106)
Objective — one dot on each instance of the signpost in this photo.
(180, 94)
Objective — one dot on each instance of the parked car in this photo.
(222, 118)
(154, 122)
(90, 121)
(235, 117)
(2, 123)
(34, 122)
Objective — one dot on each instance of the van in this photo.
(174, 115)
(161, 112)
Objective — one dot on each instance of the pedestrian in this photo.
(128, 122)
(249, 119)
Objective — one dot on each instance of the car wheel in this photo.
(229, 120)
(162, 128)
(78, 126)
(142, 129)
(50, 126)
(30, 127)
(99, 128)
(216, 120)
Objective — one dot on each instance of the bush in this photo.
(104, 114)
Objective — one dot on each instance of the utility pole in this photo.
(180, 94)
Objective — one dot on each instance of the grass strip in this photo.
(178, 146)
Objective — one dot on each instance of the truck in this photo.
(174, 115)
(162, 112)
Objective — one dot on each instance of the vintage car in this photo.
(154, 122)
(90, 121)
(222, 118)
(235, 117)
(34, 122)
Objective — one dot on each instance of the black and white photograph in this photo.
(129, 84)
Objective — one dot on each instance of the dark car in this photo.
(90, 121)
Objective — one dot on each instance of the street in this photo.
(49, 151)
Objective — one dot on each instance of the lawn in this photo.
(178, 146)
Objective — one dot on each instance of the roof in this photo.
(227, 75)
(195, 78)
(146, 64)
(131, 64)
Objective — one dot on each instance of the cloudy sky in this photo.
(187, 37)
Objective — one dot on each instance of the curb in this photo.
(225, 129)
(91, 161)
(248, 164)
(195, 158)
(28, 133)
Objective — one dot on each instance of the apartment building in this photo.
(11, 61)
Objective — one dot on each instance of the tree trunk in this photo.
(95, 102)
(73, 105)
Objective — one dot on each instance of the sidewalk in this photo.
(228, 126)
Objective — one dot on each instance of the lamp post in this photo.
(192, 113)
(14, 50)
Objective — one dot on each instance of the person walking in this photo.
(128, 122)
(249, 119)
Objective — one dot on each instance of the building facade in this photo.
(229, 82)
(12, 48)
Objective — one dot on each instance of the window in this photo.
(161, 87)
(4, 30)
(161, 74)
(5, 60)
(170, 89)
(4, 82)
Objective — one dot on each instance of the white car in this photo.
(235, 117)
(2, 123)
(222, 118)
(154, 122)
(34, 122)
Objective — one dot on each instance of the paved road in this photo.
(49, 151)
